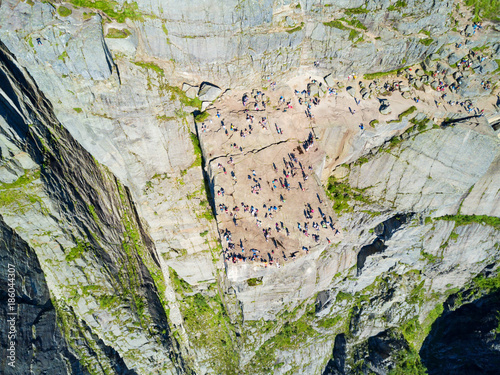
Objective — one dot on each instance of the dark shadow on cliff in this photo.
(384, 232)
(465, 341)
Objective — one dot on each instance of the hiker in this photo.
(39, 41)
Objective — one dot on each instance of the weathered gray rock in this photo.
(404, 88)
(486, 67)
(191, 91)
(313, 89)
(444, 190)
(205, 105)
(351, 91)
(209, 92)
(429, 64)
(448, 80)
(329, 80)
(454, 58)
(385, 109)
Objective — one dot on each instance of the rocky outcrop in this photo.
(30, 336)
(89, 223)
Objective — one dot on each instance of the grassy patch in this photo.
(357, 23)
(151, 66)
(426, 41)
(362, 160)
(117, 34)
(197, 150)
(63, 11)
(329, 322)
(254, 281)
(295, 29)
(402, 115)
(485, 9)
(397, 6)
(374, 122)
(490, 284)
(207, 213)
(408, 363)
(177, 93)
(210, 330)
(112, 9)
(358, 10)
(469, 219)
(421, 125)
(336, 24)
(291, 336)
(430, 258)
(18, 195)
(202, 116)
(415, 332)
(342, 193)
(77, 251)
(63, 56)
(354, 35)
(77, 110)
(382, 74)
(179, 285)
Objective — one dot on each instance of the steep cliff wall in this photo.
(82, 225)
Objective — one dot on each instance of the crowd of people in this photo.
(267, 242)
(264, 204)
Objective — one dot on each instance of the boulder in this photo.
(403, 88)
(289, 21)
(204, 105)
(191, 91)
(363, 91)
(454, 58)
(448, 80)
(209, 92)
(487, 66)
(385, 109)
(406, 95)
(366, 95)
(418, 84)
(361, 84)
(434, 84)
(313, 89)
(322, 88)
(419, 72)
(351, 90)
(329, 80)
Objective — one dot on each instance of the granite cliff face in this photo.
(109, 205)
